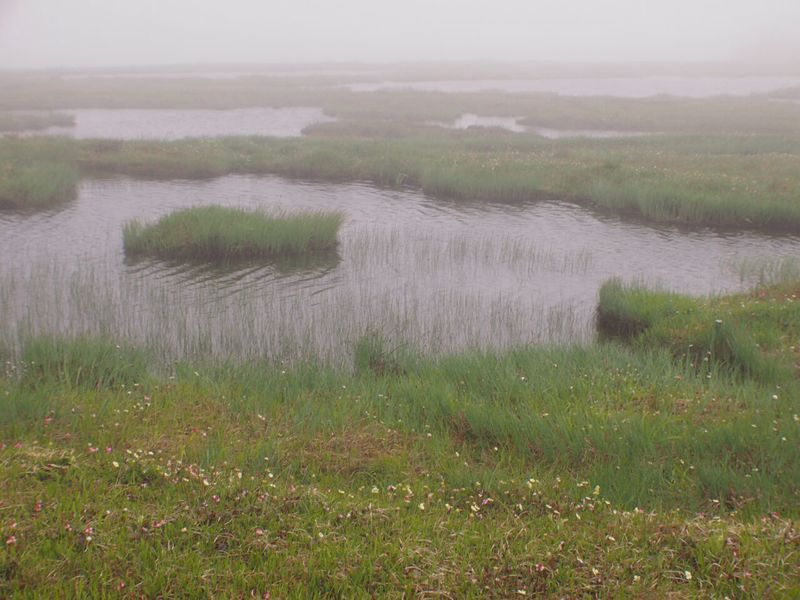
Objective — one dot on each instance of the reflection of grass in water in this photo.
(218, 233)
(317, 261)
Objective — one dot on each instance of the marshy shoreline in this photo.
(337, 466)
(387, 366)
(727, 182)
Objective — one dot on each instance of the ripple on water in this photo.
(441, 275)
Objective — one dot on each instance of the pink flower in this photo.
(11, 540)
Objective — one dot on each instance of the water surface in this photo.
(173, 124)
(468, 120)
(438, 275)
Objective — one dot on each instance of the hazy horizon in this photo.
(39, 34)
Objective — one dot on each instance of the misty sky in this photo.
(78, 33)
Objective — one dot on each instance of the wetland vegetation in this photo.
(219, 233)
(402, 407)
(723, 181)
(575, 470)
(36, 175)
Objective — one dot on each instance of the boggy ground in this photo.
(611, 470)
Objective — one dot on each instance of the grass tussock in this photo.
(373, 353)
(746, 334)
(214, 232)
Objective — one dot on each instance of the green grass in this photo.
(21, 121)
(728, 181)
(218, 233)
(749, 334)
(36, 174)
(81, 362)
(610, 470)
(734, 182)
(600, 471)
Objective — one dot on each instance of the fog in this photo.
(104, 33)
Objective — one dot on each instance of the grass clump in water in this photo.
(215, 232)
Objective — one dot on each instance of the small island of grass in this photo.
(219, 233)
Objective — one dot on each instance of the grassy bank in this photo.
(21, 121)
(728, 181)
(751, 334)
(36, 174)
(217, 233)
(601, 471)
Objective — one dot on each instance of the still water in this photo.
(165, 124)
(438, 275)
(470, 120)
